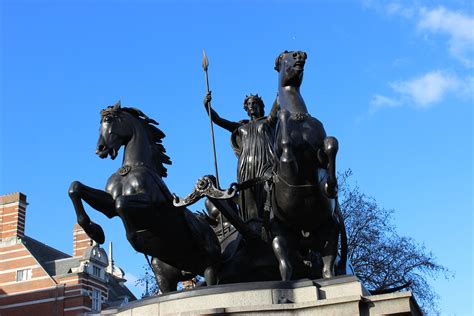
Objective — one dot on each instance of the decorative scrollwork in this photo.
(205, 187)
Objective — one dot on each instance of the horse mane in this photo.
(156, 136)
(278, 60)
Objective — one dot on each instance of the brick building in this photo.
(36, 279)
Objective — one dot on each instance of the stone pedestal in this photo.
(342, 295)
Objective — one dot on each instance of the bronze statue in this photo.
(307, 222)
(305, 187)
(181, 243)
(252, 141)
(286, 165)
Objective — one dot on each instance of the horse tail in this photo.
(341, 267)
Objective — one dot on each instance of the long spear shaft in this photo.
(205, 65)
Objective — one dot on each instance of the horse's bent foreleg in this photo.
(97, 199)
(288, 167)
(331, 146)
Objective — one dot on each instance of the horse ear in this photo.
(117, 105)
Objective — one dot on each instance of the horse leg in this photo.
(127, 205)
(331, 146)
(341, 266)
(329, 250)
(97, 199)
(288, 167)
(280, 248)
(210, 274)
(166, 275)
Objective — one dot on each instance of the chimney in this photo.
(81, 241)
(12, 215)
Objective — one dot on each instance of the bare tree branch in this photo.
(381, 259)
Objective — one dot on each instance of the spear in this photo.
(205, 65)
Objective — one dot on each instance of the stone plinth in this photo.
(342, 295)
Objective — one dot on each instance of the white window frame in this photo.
(23, 275)
(96, 300)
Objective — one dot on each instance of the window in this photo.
(96, 271)
(23, 275)
(96, 305)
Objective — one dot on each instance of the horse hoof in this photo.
(327, 274)
(95, 232)
(210, 276)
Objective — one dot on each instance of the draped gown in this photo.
(253, 144)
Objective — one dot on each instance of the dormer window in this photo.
(96, 271)
(23, 275)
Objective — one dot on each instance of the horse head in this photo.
(124, 126)
(290, 65)
(112, 133)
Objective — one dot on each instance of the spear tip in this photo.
(205, 61)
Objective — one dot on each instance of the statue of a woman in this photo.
(252, 141)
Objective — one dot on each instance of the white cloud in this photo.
(432, 87)
(395, 8)
(427, 89)
(458, 26)
(379, 101)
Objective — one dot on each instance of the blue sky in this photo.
(393, 81)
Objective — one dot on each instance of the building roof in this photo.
(44, 254)
(62, 266)
(118, 291)
(45, 262)
(56, 262)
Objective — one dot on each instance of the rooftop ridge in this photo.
(43, 244)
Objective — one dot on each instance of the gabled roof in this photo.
(56, 262)
(44, 254)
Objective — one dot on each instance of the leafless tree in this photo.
(379, 256)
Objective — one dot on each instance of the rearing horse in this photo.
(179, 242)
(305, 187)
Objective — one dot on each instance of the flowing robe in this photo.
(253, 144)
